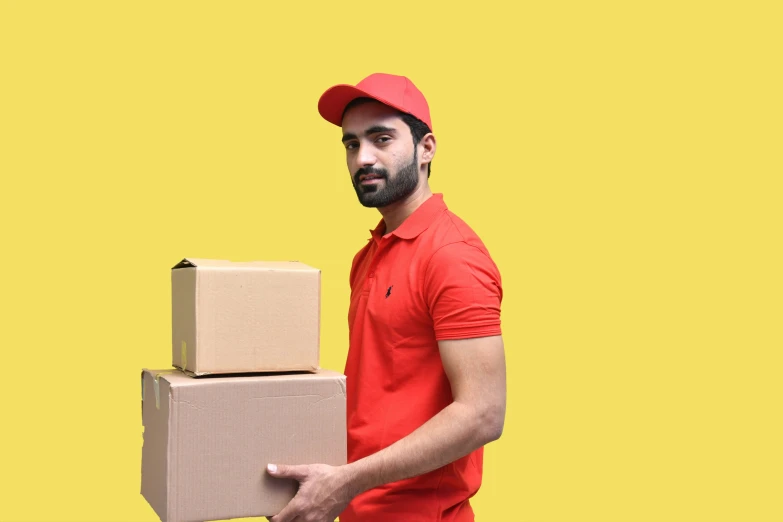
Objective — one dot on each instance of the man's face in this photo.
(381, 158)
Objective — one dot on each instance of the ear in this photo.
(428, 146)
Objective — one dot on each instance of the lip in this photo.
(366, 180)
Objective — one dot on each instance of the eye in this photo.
(351, 145)
(383, 139)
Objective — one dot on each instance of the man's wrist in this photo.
(356, 479)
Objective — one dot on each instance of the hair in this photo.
(418, 128)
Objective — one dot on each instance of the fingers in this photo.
(283, 471)
(290, 513)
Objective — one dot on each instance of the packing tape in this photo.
(156, 385)
(157, 391)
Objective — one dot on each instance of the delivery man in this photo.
(426, 378)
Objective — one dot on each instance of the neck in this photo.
(396, 213)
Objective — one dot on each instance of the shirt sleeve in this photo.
(463, 292)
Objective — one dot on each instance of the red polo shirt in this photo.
(430, 279)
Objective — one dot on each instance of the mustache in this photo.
(370, 170)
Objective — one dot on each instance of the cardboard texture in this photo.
(207, 440)
(239, 317)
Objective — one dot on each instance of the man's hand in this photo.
(323, 492)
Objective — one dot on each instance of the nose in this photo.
(366, 155)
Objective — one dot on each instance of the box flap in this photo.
(185, 263)
(192, 262)
(177, 378)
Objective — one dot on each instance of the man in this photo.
(426, 384)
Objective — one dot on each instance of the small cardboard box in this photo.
(207, 440)
(242, 317)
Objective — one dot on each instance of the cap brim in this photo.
(333, 101)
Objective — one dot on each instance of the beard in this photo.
(392, 190)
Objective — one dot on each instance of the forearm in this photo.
(454, 432)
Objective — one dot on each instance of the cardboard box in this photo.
(207, 440)
(239, 317)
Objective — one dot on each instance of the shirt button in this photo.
(372, 274)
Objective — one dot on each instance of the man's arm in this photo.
(476, 371)
(477, 374)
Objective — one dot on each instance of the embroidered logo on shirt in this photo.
(388, 291)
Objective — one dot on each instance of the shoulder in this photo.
(454, 241)
(461, 283)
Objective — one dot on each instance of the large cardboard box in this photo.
(239, 317)
(207, 440)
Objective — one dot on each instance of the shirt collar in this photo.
(418, 221)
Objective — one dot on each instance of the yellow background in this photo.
(622, 162)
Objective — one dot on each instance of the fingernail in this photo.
(272, 468)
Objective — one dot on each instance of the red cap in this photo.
(394, 91)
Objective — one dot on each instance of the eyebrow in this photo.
(372, 130)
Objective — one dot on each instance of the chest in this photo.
(388, 294)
